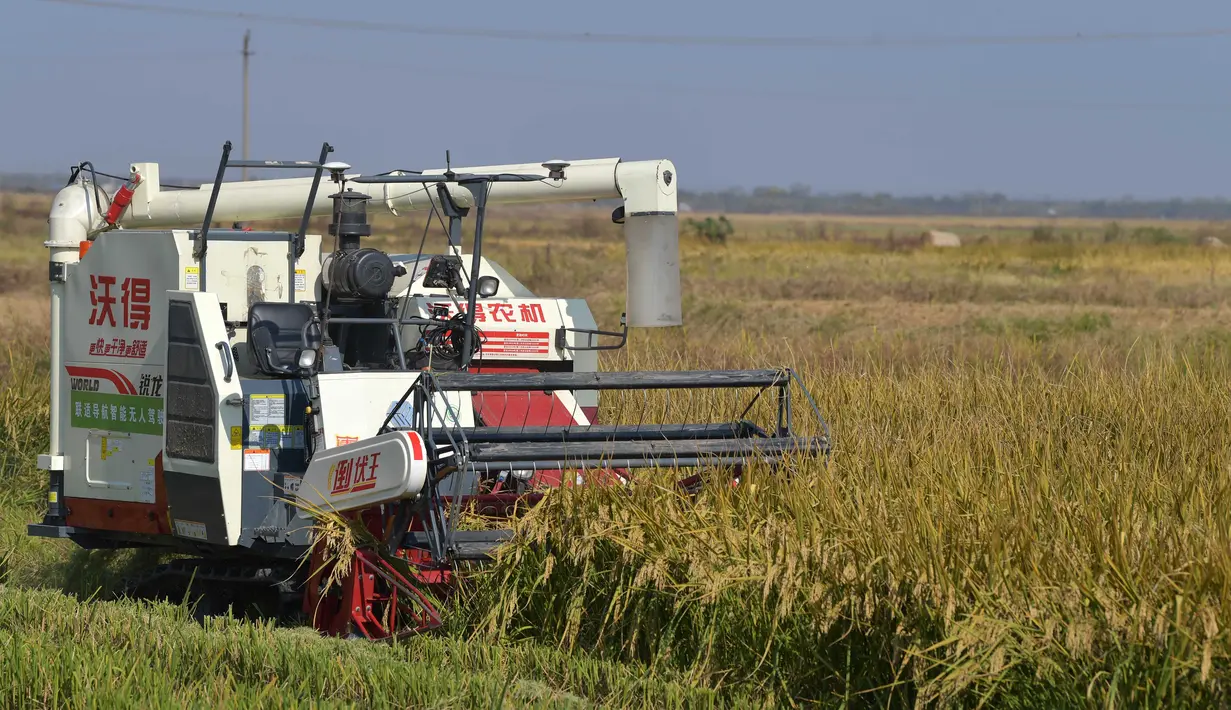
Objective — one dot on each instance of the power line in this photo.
(161, 56)
(818, 95)
(796, 42)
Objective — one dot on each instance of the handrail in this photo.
(297, 241)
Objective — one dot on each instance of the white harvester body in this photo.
(160, 422)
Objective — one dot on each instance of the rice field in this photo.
(1027, 504)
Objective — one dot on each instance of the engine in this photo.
(355, 272)
(365, 274)
(356, 281)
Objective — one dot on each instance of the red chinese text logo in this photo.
(134, 300)
(504, 312)
(532, 313)
(136, 303)
(102, 300)
(355, 474)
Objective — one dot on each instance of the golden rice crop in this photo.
(983, 532)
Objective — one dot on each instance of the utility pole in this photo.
(247, 53)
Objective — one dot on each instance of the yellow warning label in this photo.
(109, 447)
(237, 438)
(301, 280)
(274, 436)
(53, 497)
(192, 278)
(266, 409)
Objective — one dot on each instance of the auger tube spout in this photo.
(651, 223)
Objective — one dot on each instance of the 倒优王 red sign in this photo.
(352, 475)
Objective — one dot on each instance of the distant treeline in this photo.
(27, 182)
(801, 200)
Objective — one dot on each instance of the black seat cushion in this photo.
(275, 335)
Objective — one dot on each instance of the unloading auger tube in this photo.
(647, 187)
(217, 391)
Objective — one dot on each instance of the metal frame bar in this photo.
(479, 188)
(662, 379)
(291, 164)
(661, 462)
(622, 334)
(648, 449)
(299, 243)
(201, 242)
(387, 321)
(606, 432)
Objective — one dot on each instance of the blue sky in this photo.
(1147, 118)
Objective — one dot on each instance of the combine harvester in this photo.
(210, 388)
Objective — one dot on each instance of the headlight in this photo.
(488, 286)
(307, 358)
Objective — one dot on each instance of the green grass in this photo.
(59, 652)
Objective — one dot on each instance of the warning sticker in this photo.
(516, 343)
(301, 280)
(256, 459)
(145, 485)
(276, 436)
(237, 438)
(188, 528)
(343, 440)
(109, 447)
(405, 416)
(266, 409)
(192, 278)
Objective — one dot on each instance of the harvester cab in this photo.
(217, 391)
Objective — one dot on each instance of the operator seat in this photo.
(277, 332)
